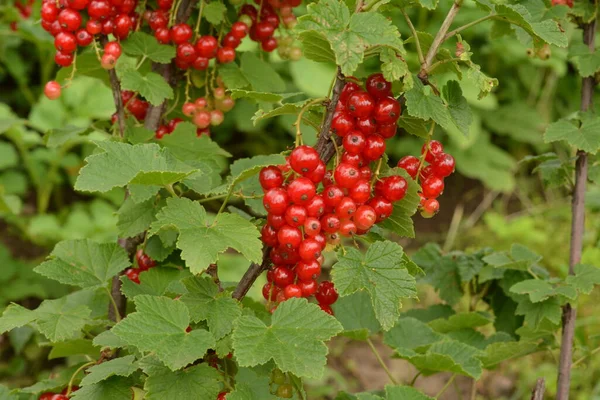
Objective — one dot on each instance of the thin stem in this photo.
(200, 10)
(170, 189)
(596, 350)
(467, 26)
(141, 62)
(414, 33)
(115, 306)
(441, 62)
(376, 174)
(211, 198)
(225, 201)
(439, 38)
(299, 119)
(414, 379)
(446, 386)
(380, 360)
(84, 366)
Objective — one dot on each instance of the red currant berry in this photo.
(69, 19)
(348, 228)
(200, 63)
(123, 24)
(365, 173)
(162, 35)
(225, 55)
(201, 119)
(410, 164)
(144, 262)
(346, 175)
(133, 275)
(312, 226)
(52, 90)
(270, 177)
(377, 86)
(83, 37)
(435, 148)
(360, 192)
(367, 125)
(330, 223)
(263, 30)
(292, 291)
(443, 165)
(309, 250)
(188, 109)
(222, 396)
(353, 159)
(301, 190)
(158, 19)
(309, 270)
(270, 291)
(230, 41)
(348, 89)
(387, 111)
(113, 48)
(268, 235)
(93, 27)
(315, 207)
(383, 208)
(332, 196)
(429, 208)
(393, 188)
(108, 61)
(317, 174)
(364, 217)
(304, 159)
(181, 33)
(342, 124)
(65, 42)
(360, 104)
(239, 30)
(345, 208)
(164, 4)
(387, 131)
(283, 276)
(326, 294)
(207, 46)
(308, 288)
(374, 148)
(49, 11)
(269, 44)
(432, 187)
(354, 142)
(295, 215)
(289, 237)
(99, 10)
(186, 52)
(276, 201)
(326, 308)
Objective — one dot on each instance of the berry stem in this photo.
(416, 36)
(466, 26)
(77, 371)
(376, 174)
(200, 11)
(446, 386)
(115, 86)
(141, 62)
(380, 360)
(299, 119)
(114, 305)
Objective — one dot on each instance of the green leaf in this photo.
(441, 272)
(151, 86)
(205, 304)
(157, 281)
(583, 134)
(260, 74)
(495, 353)
(410, 336)
(460, 321)
(8, 155)
(316, 47)
(400, 221)
(120, 164)
(285, 109)
(451, 356)
(135, 217)
(123, 366)
(547, 30)
(245, 168)
(232, 76)
(201, 242)
(158, 326)
(382, 273)
(185, 145)
(356, 314)
(586, 276)
(405, 392)
(198, 382)
(108, 339)
(298, 327)
(73, 347)
(60, 136)
(587, 62)
(249, 385)
(459, 109)
(540, 290)
(349, 35)
(15, 316)
(84, 263)
(395, 68)
(214, 12)
(113, 388)
(535, 313)
(142, 44)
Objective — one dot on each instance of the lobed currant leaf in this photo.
(586, 276)
(142, 44)
(151, 86)
(115, 387)
(583, 133)
(198, 382)
(122, 366)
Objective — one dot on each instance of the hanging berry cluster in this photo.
(58, 396)
(144, 263)
(24, 9)
(431, 176)
(205, 111)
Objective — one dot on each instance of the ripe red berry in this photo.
(345, 208)
(52, 90)
(108, 61)
(332, 195)
(99, 10)
(123, 24)
(270, 177)
(330, 223)
(295, 215)
(207, 46)
(383, 208)
(292, 291)
(113, 48)
(83, 37)
(360, 104)
(326, 294)
(312, 226)
(348, 89)
(326, 308)
(309, 270)
(348, 228)
(435, 148)
(354, 142)
(374, 148)
(200, 63)
(269, 44)
(186, 52)
(230, 41)
(387, 111)
(387, 131)
(301, 190)
(364, 217)
(239, 30)
(276, 201)
(201, 119)
(225, 55)
(367, 125)
(443, 165)
(133, 275)
(65, 42)
(93, 27)
(432, 187)
(361, 192)
(263, 30)
(410, 164)
(289, 237)
(429, 208)
(283, 276)
(315, 207)
(309, 249)
(270, 291)
(346, 175)
(318, 173)
(377, 86)
(188, 109)
(181, 33)
(268, 235)
(222, 396)
(393, 188)
(304, 159)
(342, 124)
(162, 35)
(144, 262)
(69, 19)
(49, 11)
(308, 287)
(365, 173)
(276, 221)
(353, 159)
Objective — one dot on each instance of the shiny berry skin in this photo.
(435, 148)
(289, 237)
(304, 159)
(332, 195)
(269, 44)
(161, 132)
(443, 165)
(330, 223)
(308, 287)
(186, 52)
(309, 270)
(283, 276)
(315, 207)
(364, 217)
(326, 294)
(393, 188)
(429, 208)
(200, 63)
(367, 125)
(268, 235)
(345, 208)
(410, 164)
(348, 89)
(162, 35)
(49, 11)
(312, 226)
(383, 208)
(123, 25)
(59, 397)
(326, 308)
(387, 131)
(69, 19)
(108, 26)
(342, 124)
(93, 27)
(99, 9)
(354, 142)
(113, 48)
(374, 148)
(263, 30)
(361, 192)
(276, 221)
(432, 187)
(52, 90)
(270, 177)
(225, 55)
(387, 111)
(78, 4)
(230, 41)
(201, 119)
(295, 215)
(222, 396)
(365, 173)
(346, 175)
(65, 42)
(138, 108)
(188, 109)
(83, 37)
(180, 33)
(271, 18)
(108, 61)
(320, 238)
(377, 86)
(317, 174)
(348, 228)
(276, 201)
(207, 46)
(47, 396)
(239, 30)
(301, 190)
(158, 20)
(271, 291)
(144, 262)
(309, 250)
(292, 291)
(353, 159)
(133, 275)
(360, 104)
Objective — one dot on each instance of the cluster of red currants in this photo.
(24, 9)
(264, 21)
(205, 112)
(58, 396)
(431, 176)
(64, 19)
(568, 3)
(144, 263)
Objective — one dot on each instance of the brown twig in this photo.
(130, 246)
(577, 231)
(538, 391)
(115, 85)
(213, 272)
(326, 149)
